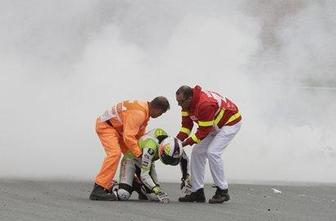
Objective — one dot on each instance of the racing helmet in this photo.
(170, 151)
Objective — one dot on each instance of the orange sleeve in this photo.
(141, 132)
(133, 120)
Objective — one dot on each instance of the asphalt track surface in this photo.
(63, 200)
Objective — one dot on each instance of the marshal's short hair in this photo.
(161, 103)
(186, 91)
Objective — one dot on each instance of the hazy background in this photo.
(62, 63)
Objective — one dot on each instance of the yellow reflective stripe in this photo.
(195, 139)
(233, 117)
(219, 116)
(185, 130)
(184, 113)
(205, 123)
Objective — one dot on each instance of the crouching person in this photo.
(155, 144)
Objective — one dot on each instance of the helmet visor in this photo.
(169, 160)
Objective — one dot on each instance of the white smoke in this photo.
(64, 62)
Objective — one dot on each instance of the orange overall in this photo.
(119, 129)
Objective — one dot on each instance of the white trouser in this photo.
(211, 148)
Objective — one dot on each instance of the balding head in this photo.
(185, 90)
(184, 96)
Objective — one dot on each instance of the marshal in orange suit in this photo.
(119, 129)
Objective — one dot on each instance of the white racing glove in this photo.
(162, 196)
(186, 185)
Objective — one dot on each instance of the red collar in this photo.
(196, 96)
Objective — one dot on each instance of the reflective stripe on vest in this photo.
(206, 123)
(116, 111)
(184, 113)
(195, 139)
(221, 114)
(185, 130)
(113, 112)
(233, 117)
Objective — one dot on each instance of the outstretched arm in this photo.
(184, 165)
(186, 179)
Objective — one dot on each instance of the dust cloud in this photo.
(62, 63)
